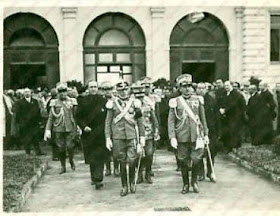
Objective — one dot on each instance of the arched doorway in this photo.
(31, 56)
(199, 46)
(114, 42)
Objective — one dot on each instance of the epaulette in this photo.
(137, 103)
(74, 101)
(53, 102)
(109, 104)
(173, 103)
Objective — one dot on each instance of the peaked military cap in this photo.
(61, 87)
(184, 79)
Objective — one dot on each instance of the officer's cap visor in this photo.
(62, 90)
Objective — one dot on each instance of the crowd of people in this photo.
(126, 123)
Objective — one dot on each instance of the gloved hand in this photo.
(206, 140)
(156, 136)
(87, 129)
(142, 141)
(174, 143)
(47, 135)
(109, 144)
(139, 149)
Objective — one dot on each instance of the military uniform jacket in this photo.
(61, 116)
(149, 118)
(180, 125)
(124, 128)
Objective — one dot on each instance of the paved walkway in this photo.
(236, 189)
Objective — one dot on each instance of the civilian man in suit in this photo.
(213, 123)
(61, 121)
(91, 119)
(125, 133)
(268, 113)
(254, 115)
(233, 111)
(186, 121)
(28, 118)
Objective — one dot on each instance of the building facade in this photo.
(44, 45)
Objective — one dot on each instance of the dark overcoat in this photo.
(254, 118)
(28, 118)
(91, 112)
(267, 105)
(234, 120)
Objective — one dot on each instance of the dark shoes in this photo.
(116, 172)
(186, 189)
(98, 185)
(211, 177)
(195, 187)
(149, 179)
(140, 178)
(201, 178)
(63, 170)
(124, 191)
(73, 167)
(178, 169)
(41, 154)
(108, 172)
(132, 188)
(152, 173)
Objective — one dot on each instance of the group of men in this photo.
(123, 122)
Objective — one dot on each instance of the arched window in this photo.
(30, 52)
(199, 47)
(114, 47)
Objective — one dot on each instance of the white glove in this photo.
(139, 150)
(174, 143)
(206, 140)
(47, 135)
(142, 141)
(109, 144)
(87, 129)
(222, 111)
(156, 136)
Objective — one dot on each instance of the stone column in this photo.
(238, 75)
(160, 61)
(70, 54)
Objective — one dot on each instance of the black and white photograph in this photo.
(143, 107)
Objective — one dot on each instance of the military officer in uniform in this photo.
(61, 119)
(151, 132)
(105, 89)
(187, 130)
(124, 132)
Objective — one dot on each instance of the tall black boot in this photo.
(71, 156)
(185, 176)
(149, 161)
(132, 177)
(194, 178)
(178, 162)
(108, 168)
(62, 157)
(116, 168)
(124, 190)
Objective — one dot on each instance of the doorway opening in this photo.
(28, 75)
(200, 71)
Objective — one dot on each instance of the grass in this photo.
(263, 156)
(17, 170)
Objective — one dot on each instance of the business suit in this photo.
(28, 118)
(92, 113)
